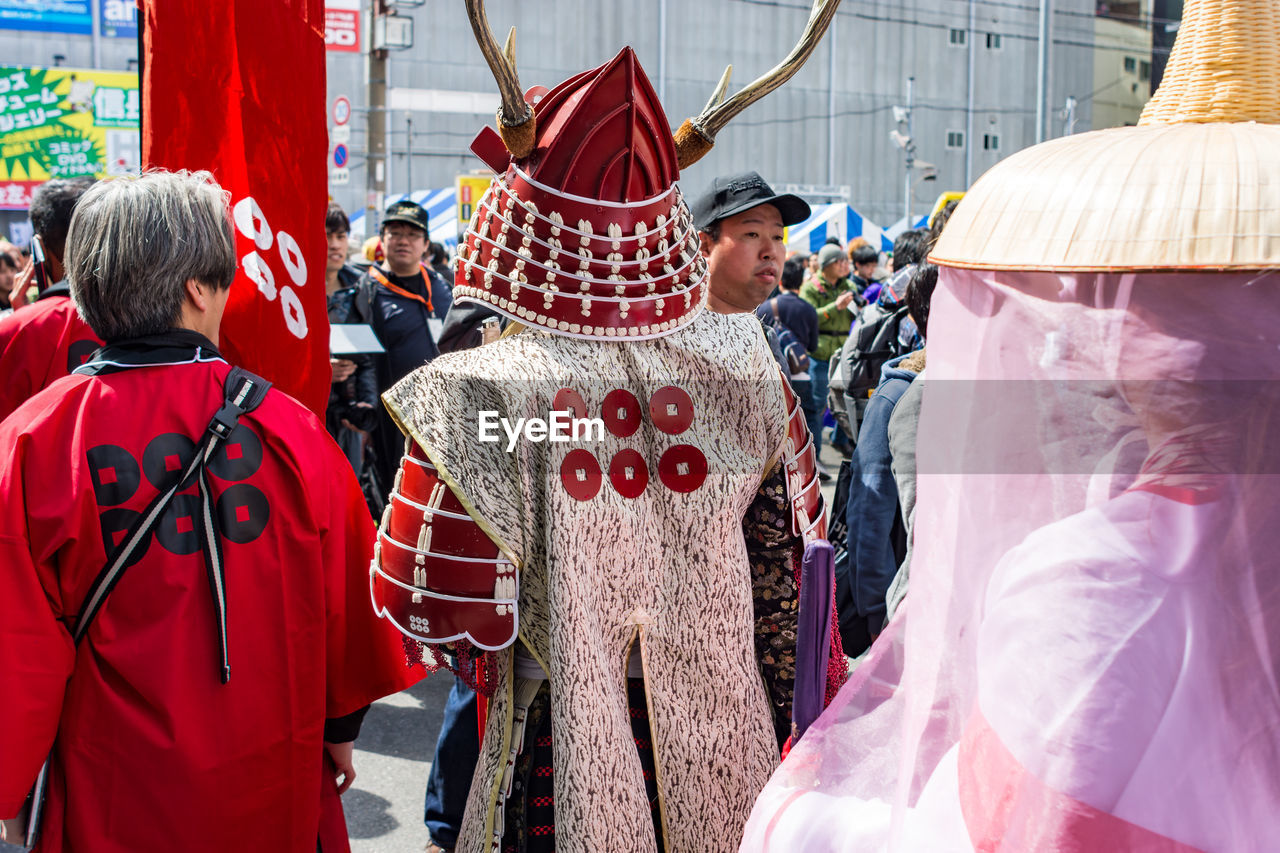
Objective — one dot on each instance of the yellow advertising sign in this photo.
(471, 188)
(65, 123)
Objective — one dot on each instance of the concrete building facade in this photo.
(974, 94)
(974, 64)
(1122, 78)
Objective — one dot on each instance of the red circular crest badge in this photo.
(671, 410)
(580, 473)
(569, 400)
(628, 473)
(683, 468)
(621, 413)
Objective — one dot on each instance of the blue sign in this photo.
(339, 155)
(119, 18)
(47, 16)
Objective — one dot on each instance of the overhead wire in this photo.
(854, 13)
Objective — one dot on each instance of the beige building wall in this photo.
(1121, 69)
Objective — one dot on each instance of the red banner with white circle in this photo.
(266, 142)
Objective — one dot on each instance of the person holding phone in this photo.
(44, 341)
(8, 276)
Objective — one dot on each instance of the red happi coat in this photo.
(153, 752)
(38, 345)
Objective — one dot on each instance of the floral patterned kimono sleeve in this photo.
(774, 553)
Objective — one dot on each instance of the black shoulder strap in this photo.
(242, 393)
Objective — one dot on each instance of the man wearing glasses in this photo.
(402, 300)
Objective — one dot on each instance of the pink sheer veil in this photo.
(1088, 650)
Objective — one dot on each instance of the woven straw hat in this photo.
(1195, 186)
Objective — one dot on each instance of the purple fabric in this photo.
(813, 636)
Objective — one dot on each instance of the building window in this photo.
(1130, 65)
(959, 38)
(1144, 71)
(990, 142)
(993, 41)
(955, 138)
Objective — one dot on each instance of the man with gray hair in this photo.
(185, 628)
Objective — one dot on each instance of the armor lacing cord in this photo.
(476, 668)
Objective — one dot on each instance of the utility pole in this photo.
(1042, 69)
(910, 148)
(970, 38)
(376, 132)
(408, 155)
(831, 101)
(907, 142)
(662, 51)
(95, 20)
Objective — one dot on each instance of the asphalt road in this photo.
(393, 757)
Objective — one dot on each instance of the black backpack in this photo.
(794, 351)
(872, 342)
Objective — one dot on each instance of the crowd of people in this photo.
(124, 312)
(861, 321)
(186, 642)
(845, 326)
(660, 635)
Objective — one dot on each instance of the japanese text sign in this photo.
(64, 123)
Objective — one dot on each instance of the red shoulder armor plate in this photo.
(808, 511)
(436, 575)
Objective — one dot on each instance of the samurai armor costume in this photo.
(662, 544)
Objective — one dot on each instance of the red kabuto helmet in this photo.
(584, 232)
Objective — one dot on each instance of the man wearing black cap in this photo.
(741, 220)
(399, 298)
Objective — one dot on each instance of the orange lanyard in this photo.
(400, 291)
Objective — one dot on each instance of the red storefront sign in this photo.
(342, 29)
(16, 195)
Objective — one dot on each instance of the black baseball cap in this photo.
(732, 194)
(407, 211)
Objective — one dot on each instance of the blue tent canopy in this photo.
(442, 214)
(844, 223)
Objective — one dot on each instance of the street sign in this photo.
(392, 32)
(842, 191)
(339, 155)
(340, 133)
(341, 110)
(339, 177)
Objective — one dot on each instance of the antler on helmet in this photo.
(697, 135)
(516, 122)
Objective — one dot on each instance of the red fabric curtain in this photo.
(238, 88)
